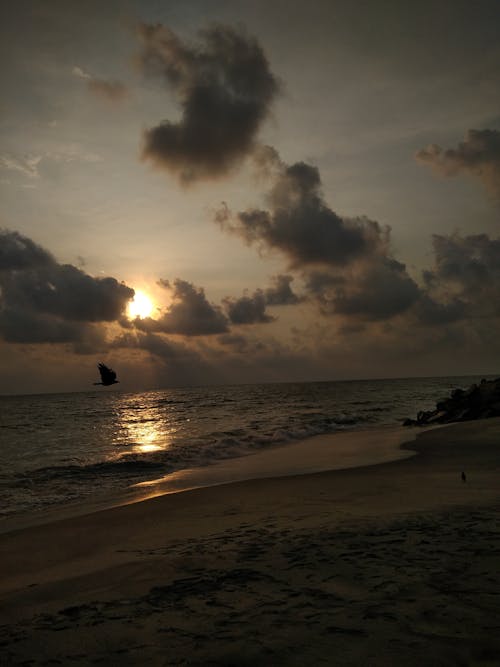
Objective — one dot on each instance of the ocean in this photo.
(57, 449)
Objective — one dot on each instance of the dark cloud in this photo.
(18, 252)
(381, 291)
(299, 223)
(281, 293)
(27, 327)
(465, 279)
(251, 309)
(190, 314)
(471, 261)
(321, 282)
(434, 313)
(462, 286)
(375, 290)
(225, 89)
(65, 291)
(346, 263)
(248, 309)
(478, 155)
(44, 301)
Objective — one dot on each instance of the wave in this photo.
(60, 448)
(182, 454)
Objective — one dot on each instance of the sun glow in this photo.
(140, 306)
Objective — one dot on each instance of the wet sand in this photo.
(379, 565)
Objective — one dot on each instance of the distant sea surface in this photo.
(62, 448)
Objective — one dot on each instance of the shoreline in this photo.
(338, 450)
(378, 565)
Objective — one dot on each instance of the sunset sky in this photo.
(297, 191)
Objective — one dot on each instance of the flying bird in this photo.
(108, 376)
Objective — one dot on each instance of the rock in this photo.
(477, 402)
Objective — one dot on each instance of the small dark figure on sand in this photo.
(464, 478)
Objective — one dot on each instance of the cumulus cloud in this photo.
(471, 261)
(281, 293)
(248, 309)
(67, 292)
(225, 89)
(478, 156)
(251, 309)
(376, 291)
(346, 263)
(300, 224)
(44, 301)
(465, 279)
(111, 91)
(18, 252)
(190, 313)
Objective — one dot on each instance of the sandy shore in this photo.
(382, 565)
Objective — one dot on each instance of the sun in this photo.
(140, 306)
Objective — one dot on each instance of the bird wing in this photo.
(107, 374)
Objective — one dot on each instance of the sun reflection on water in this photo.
(146, 434)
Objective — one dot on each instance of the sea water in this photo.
(62, 448)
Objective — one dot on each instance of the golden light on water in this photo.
(140, 306)
(146, 437)
(147, 447)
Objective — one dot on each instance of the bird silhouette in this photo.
(108, 376)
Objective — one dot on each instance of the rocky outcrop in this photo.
(479, 401)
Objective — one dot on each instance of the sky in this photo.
(226, 191)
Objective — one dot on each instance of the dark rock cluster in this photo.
(479, 401)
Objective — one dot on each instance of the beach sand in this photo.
(390, 564)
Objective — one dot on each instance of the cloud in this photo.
(44, 301)
(281, 293)
(81, 74)
(27, 165)
(174, 363)
(248, 309)
(299, 224)
(434, 313)
(346, 263)
(478, 156)
(190, 314)
(65, 291)
(160, 346)
(36, 166)
(251, 309)
(111, 91)
(225, 89)
(377, 290)
(470, 261)
(24, 326)
(465, 278)
(235, 341)
(18, 252)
